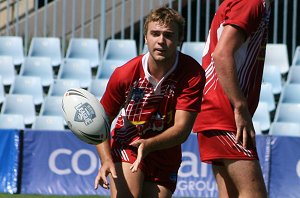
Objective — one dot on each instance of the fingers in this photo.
(101, 178)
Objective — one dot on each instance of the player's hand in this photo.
(101, 178)
(245, 129)
(141, 144)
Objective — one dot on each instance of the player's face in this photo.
(162, 41)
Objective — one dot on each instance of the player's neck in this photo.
(158, 69)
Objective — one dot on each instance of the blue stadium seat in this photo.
(77, 69)
(7, 70)
(296, 57)
(107, 67)
(12, 46)
(120, 49)
(294, 75)
(193, 49)
(277, 55)
(84, 48)
(49, 47)
(12, 121)
(60, 86)
(2, 91)
(30, 85)
(272, 75)
(51, 106)
(287, 112)
(39, 67)
(266, 95)
(20, 104)
(98, 87)
(257, 128)
(290, 93)
(285, 129)
(262, 116)
(49, 123)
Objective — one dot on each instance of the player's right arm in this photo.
(107, 164)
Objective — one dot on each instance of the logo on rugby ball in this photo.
(84, 113)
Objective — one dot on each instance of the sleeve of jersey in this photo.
(114, 95)
(190, 98)
(244, 14)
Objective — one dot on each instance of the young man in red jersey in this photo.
(233, 60)
(159, 95)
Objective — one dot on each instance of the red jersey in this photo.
(253, 18)
(148, 107)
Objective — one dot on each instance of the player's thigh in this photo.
(153, 190)
(246, 175)
(225, 185)
(127, 184)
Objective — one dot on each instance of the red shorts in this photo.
(153, 172)
(216, 144)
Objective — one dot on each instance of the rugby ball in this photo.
(85, 116)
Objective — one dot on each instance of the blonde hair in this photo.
(166, 16)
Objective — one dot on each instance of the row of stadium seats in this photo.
(278, 111)
(74, 72)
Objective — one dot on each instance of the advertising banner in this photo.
(9, 160)
(285, 167)
(57, 162)
(195, 179)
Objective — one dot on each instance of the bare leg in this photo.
(127, 184)
(240, 178)
(153, 190)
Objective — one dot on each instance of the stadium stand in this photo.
(53, 123)
(296, 57)
(294, 75)
(98, 87)
(76, 69)
(120, 49)
(108, 66)
(266, 95)
(277, 55)
(194, 49)
(12, 121)
(7, 70)
(84, 48)
(12, 46)
(39, 67)
(20, 104)
(30, 85)
(262, 116)
(46, 47)
(285, 128)
(60, 86)
(272, 75)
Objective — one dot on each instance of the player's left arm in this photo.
(230, 41)
(175, 135)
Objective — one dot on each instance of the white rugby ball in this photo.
(85, 116)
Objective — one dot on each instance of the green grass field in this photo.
(45, 196)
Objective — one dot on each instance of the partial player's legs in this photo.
(153, 190)
(128, 184)
(243, 178)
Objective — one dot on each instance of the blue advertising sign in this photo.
(57, 162)
(285, 167)
(9, 160)
(195, 179)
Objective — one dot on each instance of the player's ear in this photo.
(145, 39)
